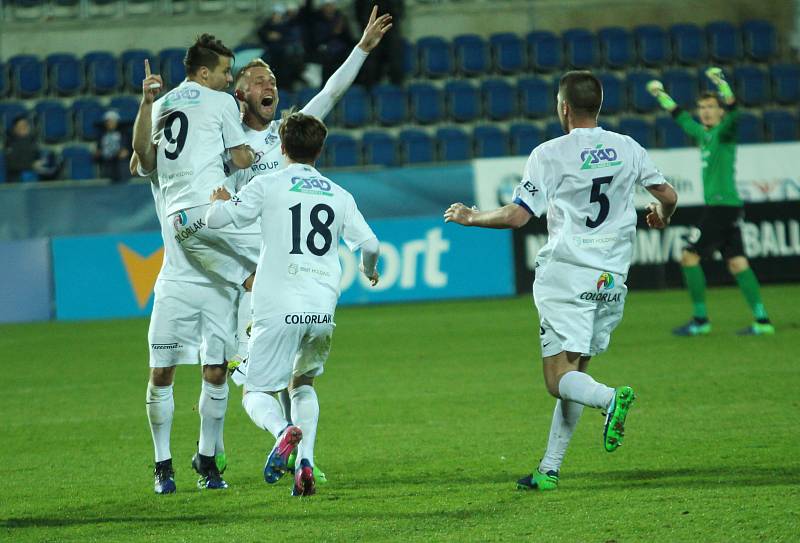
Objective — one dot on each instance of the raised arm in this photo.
(509, 216)
(143, 125)
(682, 117)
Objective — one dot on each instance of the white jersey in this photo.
(584, 181)
(192, 127)
(303, 216)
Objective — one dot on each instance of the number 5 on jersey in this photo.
(600, 198)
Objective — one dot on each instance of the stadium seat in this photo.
(614, 95)
(752, 86)
(102, 72)
(462, 101)
(640, 100)
(410, 59)
(286, 100)
(760, 40)
(9, 111)
(65, 74)
(652, 45)
(305, 95)
(170, 62)
(681, 86)
(27, 75)
(639, 129)
(536, 96)
(133, 67)
(471, 55)
(126, 106)
(490, 141)
(355, 107)
(553, 130)
(785, 83)
(4, 84)
(750, 128)
(454, 144)
(499, 99)
(435, 57)
(545, 51)
(524, 138)
(78, 163)
(87, 114)
(669, 134)
(580, 48)
(53, 121)
(508, 52)
(379, 149)
(341, 151)
(724, 44)
(391, 104)
(688, 43)
(780, 125)
(616, 47)
(416, 147)
(606, 124)
(427, 103)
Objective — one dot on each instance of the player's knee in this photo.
(162, 377)
(215, 374)
(302, 380)
(738, 264)
(689, 258)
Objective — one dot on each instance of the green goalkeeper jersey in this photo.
(718, 150)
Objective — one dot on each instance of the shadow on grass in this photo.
(693, 477)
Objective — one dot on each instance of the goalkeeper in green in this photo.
(719, 228)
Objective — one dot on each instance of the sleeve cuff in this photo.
(521, 203)
(677, 111)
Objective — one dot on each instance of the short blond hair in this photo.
(241, 74)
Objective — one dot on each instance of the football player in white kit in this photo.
(303, 216)
(584, 181)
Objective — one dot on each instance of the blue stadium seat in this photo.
(780, 125)
(682, 86)
(379, 148)
(752, 86)
(688, 43)
(545, 51)
(760, 40)
(553, 130)
(2, 167)
(640, 100)
(490, 141)
(78, 163)
(391, 104)
(607, 124)
(65, 74)
(4, 83)
(669, 134)
(427, 103)
(471, 55)
(499, 99)
(286, 100)
(132, 62)
(410, 59)
(614, 95)
(126, 106)
(652, 45)
(355, 107)
(102, 72)
(170, 62)
(435, 57)
(463, 104)
(305, 95)
(9, 111)
(524, 138)
(724, 44)
(416, 147)
(785, 83)
(341, 151)
(454, 144)
(616, 47)
(580, 48)
(27, 75)
(53, 120)
(640, 130)
(508, 52)
(87, 114)
(750, 128)
(536, 96)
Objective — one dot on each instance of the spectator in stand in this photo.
(387, 58)
(113, 148)
(25, 159)
(282, 37)
(331, 37)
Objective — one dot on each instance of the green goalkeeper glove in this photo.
(718, 78)
(656, 88)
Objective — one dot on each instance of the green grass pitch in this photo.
(429, 413)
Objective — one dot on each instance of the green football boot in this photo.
(222, 462)
(758, 329)
(615, 418)
(319, 476)
(693, 328)
(539, 481)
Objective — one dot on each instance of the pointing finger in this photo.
(146, 68)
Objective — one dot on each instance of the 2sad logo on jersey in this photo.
(599, 157)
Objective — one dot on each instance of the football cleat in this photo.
(615, 418)
(693, 328)
(539, 481)
(278, 459)
(221, 460)
(210, 477)
(304, 480)
(164, 477)
(757, 329)
(319, 475)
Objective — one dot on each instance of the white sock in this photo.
(160, 408)
(579, 387)
(286, 404)
(213, 403)
(305, 408)
(565, 419)
(265, 411)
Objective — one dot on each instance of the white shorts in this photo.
(578, 307)
(192, 323)
(228, 254)
(285, 346)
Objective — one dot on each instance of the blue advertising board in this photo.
(25, 286)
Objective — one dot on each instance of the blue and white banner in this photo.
(25, 288)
